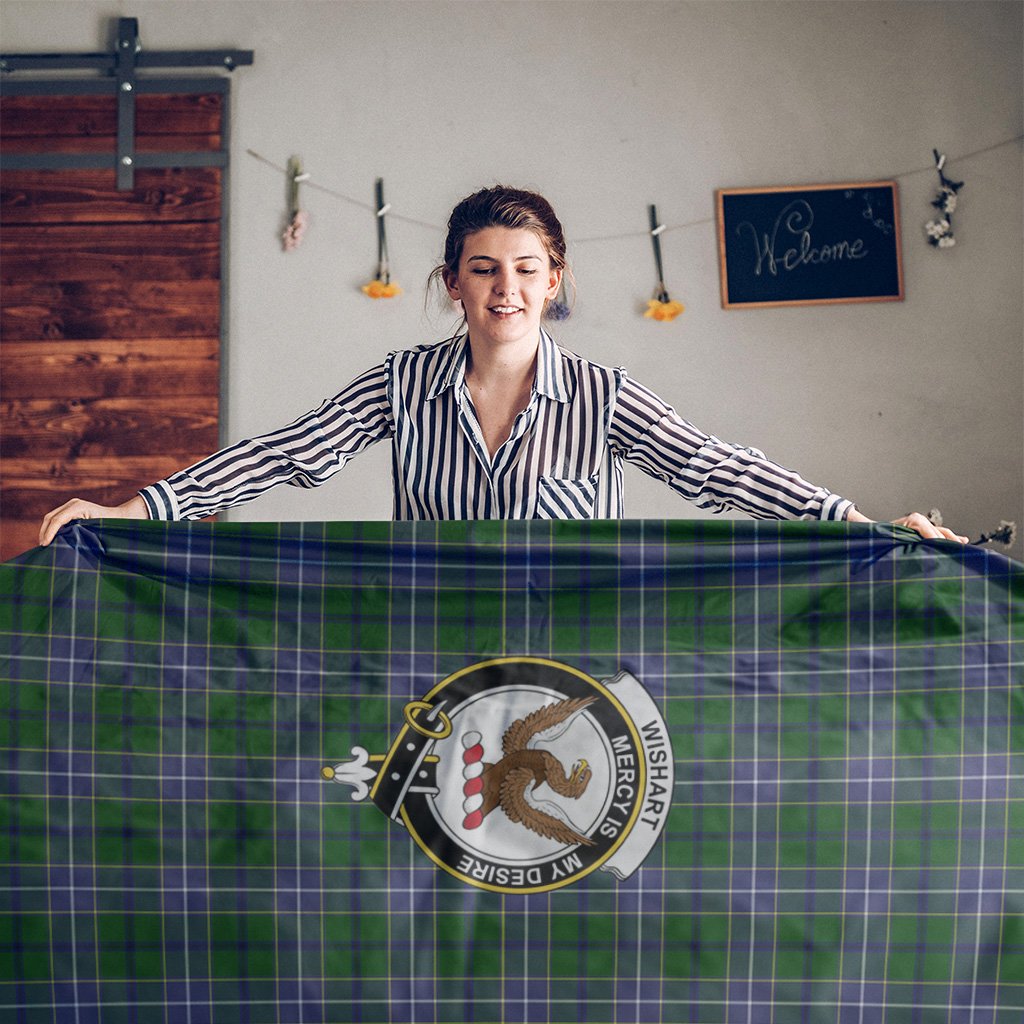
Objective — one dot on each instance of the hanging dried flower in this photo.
(296, 229)
(1004, 533)
(292, 235)
(658, 310)
(558, 308)
(661, 307)
(381, 289)
(940, 232)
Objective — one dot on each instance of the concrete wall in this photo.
(606, 107)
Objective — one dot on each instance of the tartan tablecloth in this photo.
(842, 840)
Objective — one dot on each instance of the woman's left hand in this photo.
(915, 521)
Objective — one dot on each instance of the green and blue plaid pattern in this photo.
(846, 843)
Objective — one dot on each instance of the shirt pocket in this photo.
(566, 498)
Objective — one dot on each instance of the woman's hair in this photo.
(501, 207)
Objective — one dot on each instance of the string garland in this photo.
(311, 183)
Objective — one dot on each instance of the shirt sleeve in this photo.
(304, 454)
(711, 473)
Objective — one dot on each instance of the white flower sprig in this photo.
(940, 232)
(1005, 533)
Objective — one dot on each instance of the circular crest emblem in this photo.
(522, 775)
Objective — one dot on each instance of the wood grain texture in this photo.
(82, 197)
(110, 369)
(17, 536)
(74, 428)
(110, 252)
(91, 310)
(31, 486)
(110, 307)
(108, 144)
(90, 116)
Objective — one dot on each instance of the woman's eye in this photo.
(485, 271)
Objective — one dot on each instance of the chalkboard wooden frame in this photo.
(871, 208)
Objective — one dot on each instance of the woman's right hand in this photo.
(77, 508)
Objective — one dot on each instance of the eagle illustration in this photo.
(511, 782)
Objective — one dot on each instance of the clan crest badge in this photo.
(522, 775)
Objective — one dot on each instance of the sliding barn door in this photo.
(111, 300)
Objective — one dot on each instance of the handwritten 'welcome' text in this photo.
(796, 220)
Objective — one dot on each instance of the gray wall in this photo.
(606, 107)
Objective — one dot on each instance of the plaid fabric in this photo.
(846, 840)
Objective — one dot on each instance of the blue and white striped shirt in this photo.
(562, 459)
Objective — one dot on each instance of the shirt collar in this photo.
(451, 370)
(550, 380)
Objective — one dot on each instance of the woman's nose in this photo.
(504, 283)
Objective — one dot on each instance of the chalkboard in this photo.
(811, 244)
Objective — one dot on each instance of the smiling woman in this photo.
(504, 281)
(496, 422)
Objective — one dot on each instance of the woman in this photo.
(498, 422)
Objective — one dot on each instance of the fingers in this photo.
(924, 526)
(76, 508)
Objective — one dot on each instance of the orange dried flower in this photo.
(657, 310)
(379, 290)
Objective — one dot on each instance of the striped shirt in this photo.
(562, 460)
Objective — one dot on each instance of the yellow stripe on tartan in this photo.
(846, 806)
(959, 865)
(50, 867)
(390, 646)
(894, 742)
(732, 776)
(779, 716)
(1006, 813)
(206, 801)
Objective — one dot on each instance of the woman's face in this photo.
(504, 279)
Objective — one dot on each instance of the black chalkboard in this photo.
(789, 246)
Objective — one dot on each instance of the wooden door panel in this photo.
(103, 143)
(110, 252)
(76, 197)
(110, 308)
(17, 535)
(29, 483)
(92, 309)
(110, 369)
(49, 117)
(55, 428)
